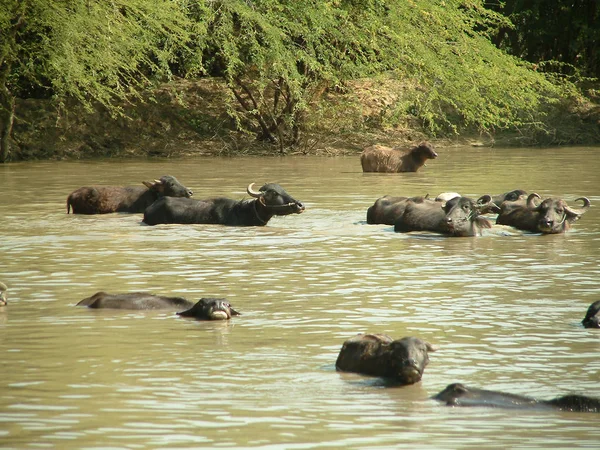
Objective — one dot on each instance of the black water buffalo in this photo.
(378, 158)
(387, 209)
(3, 289)
(270, 200)
(128, 199)
(457, 394)
(551, 216)
(592, 316)
(402, 361)
(511, 196)
(204, 309)
(459, 216)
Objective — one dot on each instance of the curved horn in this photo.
(3, 286)
(484, 200)
(583, 210)
(530, 203)
(252, 192)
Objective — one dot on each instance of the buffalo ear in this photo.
(157, 185)
(431, 347)
(573, 212)
(482, 222)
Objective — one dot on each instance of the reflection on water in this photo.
(504, 309)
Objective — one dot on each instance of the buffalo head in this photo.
(169, 186)
(462, 215)
(553, 215)
(210, 309)
(592, 316)
(274, 198)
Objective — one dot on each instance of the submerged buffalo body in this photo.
(379, 158)
(459, 216)
(387, 209)
(551, 216)
(270, 200)
(457, 394)
(3, 289)
(204, 309)
(402, 360)
(592, 316)
(110, 199)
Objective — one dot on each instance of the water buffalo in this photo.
(378, 158)
(3, 289)
(387, 209)
(128, 199)
(551, 216)
(592, 316)
(459, 216)
(457, 394)
(511, 196)
(402, 360)
(270, 200)
(204, 309)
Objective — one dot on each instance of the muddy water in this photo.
(504, 310)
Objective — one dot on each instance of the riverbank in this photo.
(186, 118)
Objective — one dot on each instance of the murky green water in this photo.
(504, 309)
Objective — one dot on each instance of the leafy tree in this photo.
(278, 56)
(562, 34)
(93, 51)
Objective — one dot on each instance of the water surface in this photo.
(504, 309)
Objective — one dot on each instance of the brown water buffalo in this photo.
(458, 394)
(551, 216)
(459, 216)
(378, 158)
(592, 316)
(270, 200)
(402, 360)
(128, 199)
(204, 309)
(3, 289)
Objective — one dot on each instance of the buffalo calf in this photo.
(458, 394)
(270, 200)
(128, 199)
(378, 158)
(551, 216)
(402, 360)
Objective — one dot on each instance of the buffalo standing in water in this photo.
(402, 360)
(270, 200)
(204, 309)
(128, 199)
(592, 316)
(458, 394)
(551, 216)
(379, 158)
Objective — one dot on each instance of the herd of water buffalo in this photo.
(402, 361)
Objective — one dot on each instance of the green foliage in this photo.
(564, 32)
(90, 50)
(467, 82)
(278, 56)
